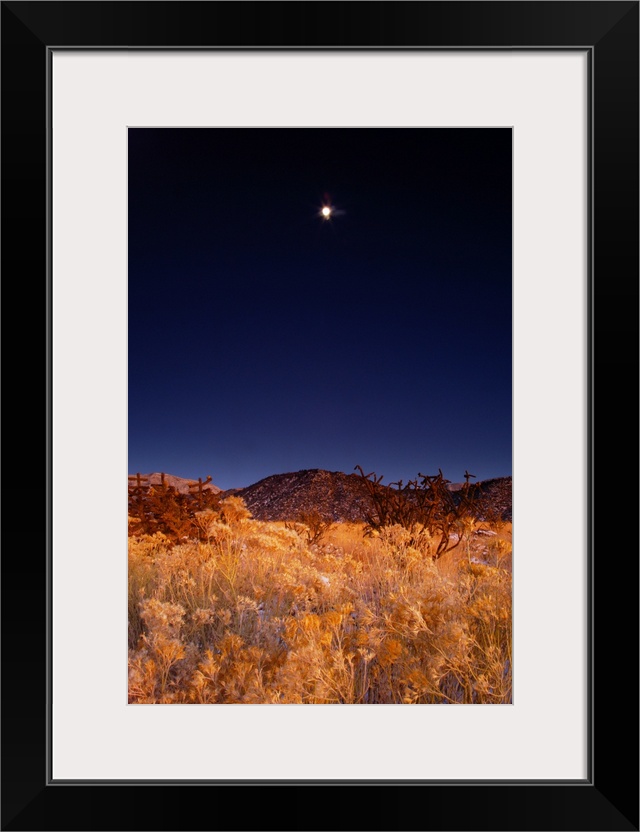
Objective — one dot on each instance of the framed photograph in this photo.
(331, 149)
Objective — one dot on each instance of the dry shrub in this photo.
(254, 613)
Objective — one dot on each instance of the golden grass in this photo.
(254, 614)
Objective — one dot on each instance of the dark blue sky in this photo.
(264, 339)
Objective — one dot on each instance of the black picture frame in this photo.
(608, 798)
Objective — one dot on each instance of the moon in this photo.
(326, 212)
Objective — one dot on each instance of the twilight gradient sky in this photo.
(264, 339)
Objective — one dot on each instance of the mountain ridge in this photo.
(340, 497)
(334, 495)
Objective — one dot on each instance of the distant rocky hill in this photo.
(181, 484)
(344, 497)
(334, 495)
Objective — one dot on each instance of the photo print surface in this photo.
(320, 415)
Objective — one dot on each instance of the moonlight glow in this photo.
(326, 212)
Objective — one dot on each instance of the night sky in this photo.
(265, 339)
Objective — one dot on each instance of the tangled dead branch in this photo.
(423, 506)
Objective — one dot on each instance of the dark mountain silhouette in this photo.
(339, 497)
(334, 495)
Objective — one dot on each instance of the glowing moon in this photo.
(326, 212)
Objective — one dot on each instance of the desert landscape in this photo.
(320, 365)
(319, 587)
